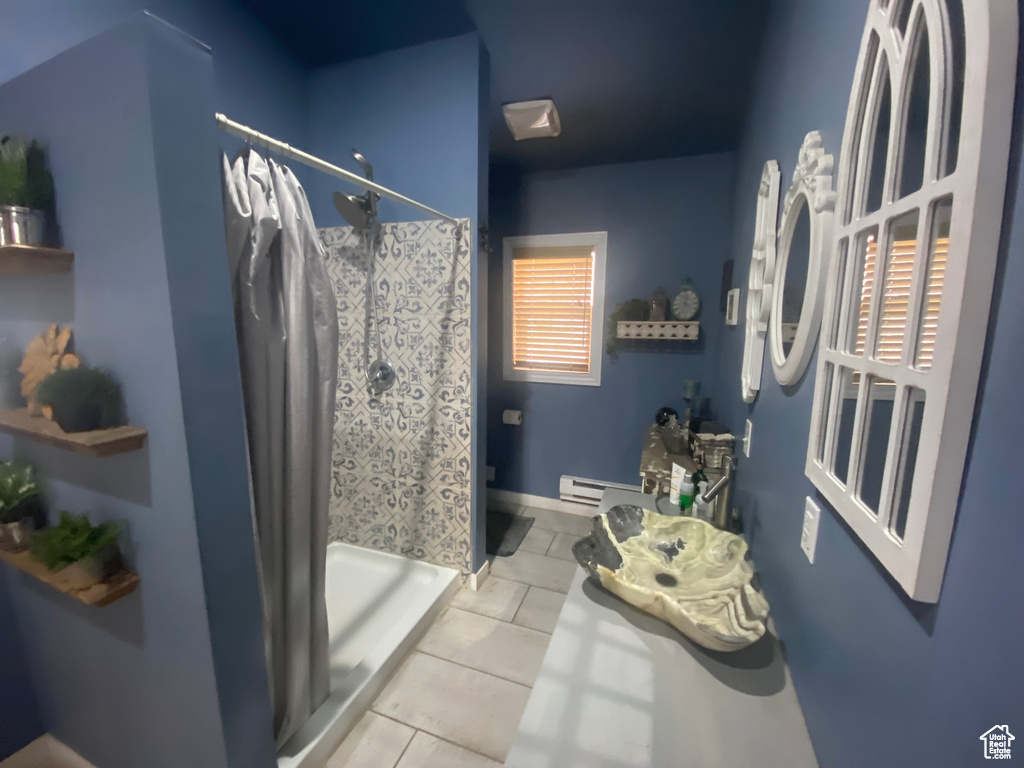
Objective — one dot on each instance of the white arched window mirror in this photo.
(759, 282)
(921, 182)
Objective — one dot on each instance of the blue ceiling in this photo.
(632, 79)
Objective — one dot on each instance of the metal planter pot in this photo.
(21, 226)
(14, 537)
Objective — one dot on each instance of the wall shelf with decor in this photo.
(100, 442)
(668, 330)
(34, 260)
(104, 593)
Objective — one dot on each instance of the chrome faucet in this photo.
(720, 518)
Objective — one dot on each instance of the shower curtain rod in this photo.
(286, 150)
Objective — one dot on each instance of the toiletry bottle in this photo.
(677, 479)
(701, 508)
(686, 494)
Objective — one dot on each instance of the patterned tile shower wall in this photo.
(402, 467)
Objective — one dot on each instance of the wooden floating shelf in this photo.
(34, 260)
(101, 442)
(101, 594)
(674, 330)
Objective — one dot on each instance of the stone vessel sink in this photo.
(680, 569)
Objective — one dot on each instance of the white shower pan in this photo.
(378, 607)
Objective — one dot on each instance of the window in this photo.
(916, 235)
(896, 299)
(554, 308)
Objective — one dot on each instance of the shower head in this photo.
(353, 209)
(365, 164)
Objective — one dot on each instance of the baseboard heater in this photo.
(582, 490)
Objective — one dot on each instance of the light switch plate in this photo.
(809, 532)
(748, 432)
(732, 307)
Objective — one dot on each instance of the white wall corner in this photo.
(476, 580)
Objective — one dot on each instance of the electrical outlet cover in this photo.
(809, 532)
(490, 474)
(748, 432)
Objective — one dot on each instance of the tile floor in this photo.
(457, 699)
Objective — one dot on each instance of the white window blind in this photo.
(552, 308)
(893, 326)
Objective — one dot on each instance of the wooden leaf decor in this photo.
(47, 352)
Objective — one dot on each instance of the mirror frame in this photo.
(976, 182)
(812, 181)
(760, 280)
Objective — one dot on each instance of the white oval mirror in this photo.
(804, 237)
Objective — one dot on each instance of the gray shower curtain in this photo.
(287, 323)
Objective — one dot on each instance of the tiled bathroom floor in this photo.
(457, 699)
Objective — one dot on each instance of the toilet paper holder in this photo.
(511, 417)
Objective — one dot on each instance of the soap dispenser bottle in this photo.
(701, 508)
(686, 494)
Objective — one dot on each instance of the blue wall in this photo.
(666, 220)
(419, 115)
(20, 718)
(415, 114)
(882, 681)
(257, 82)
(481, 307)
(152, 679)
(181, 95)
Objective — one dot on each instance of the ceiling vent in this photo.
(532, 119)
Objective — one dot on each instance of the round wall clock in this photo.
(686, 304)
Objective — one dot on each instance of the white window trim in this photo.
(599, 242)
(978, 183)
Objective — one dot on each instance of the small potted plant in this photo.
(637, 310)
(26, 191)
(21, 505)
(82, 399)
(81, 553)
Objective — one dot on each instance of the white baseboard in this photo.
(476, 580)
(511, 501)
(46, 749)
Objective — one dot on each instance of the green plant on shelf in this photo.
(74, 539)
(24, 178)
(634, 309)
(82, 399)
(20, 492)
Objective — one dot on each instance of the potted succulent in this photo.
(21, 505)
(26, 191)
(81, 553)
(82, 399)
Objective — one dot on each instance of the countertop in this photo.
(621, 689)
(655, 460)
